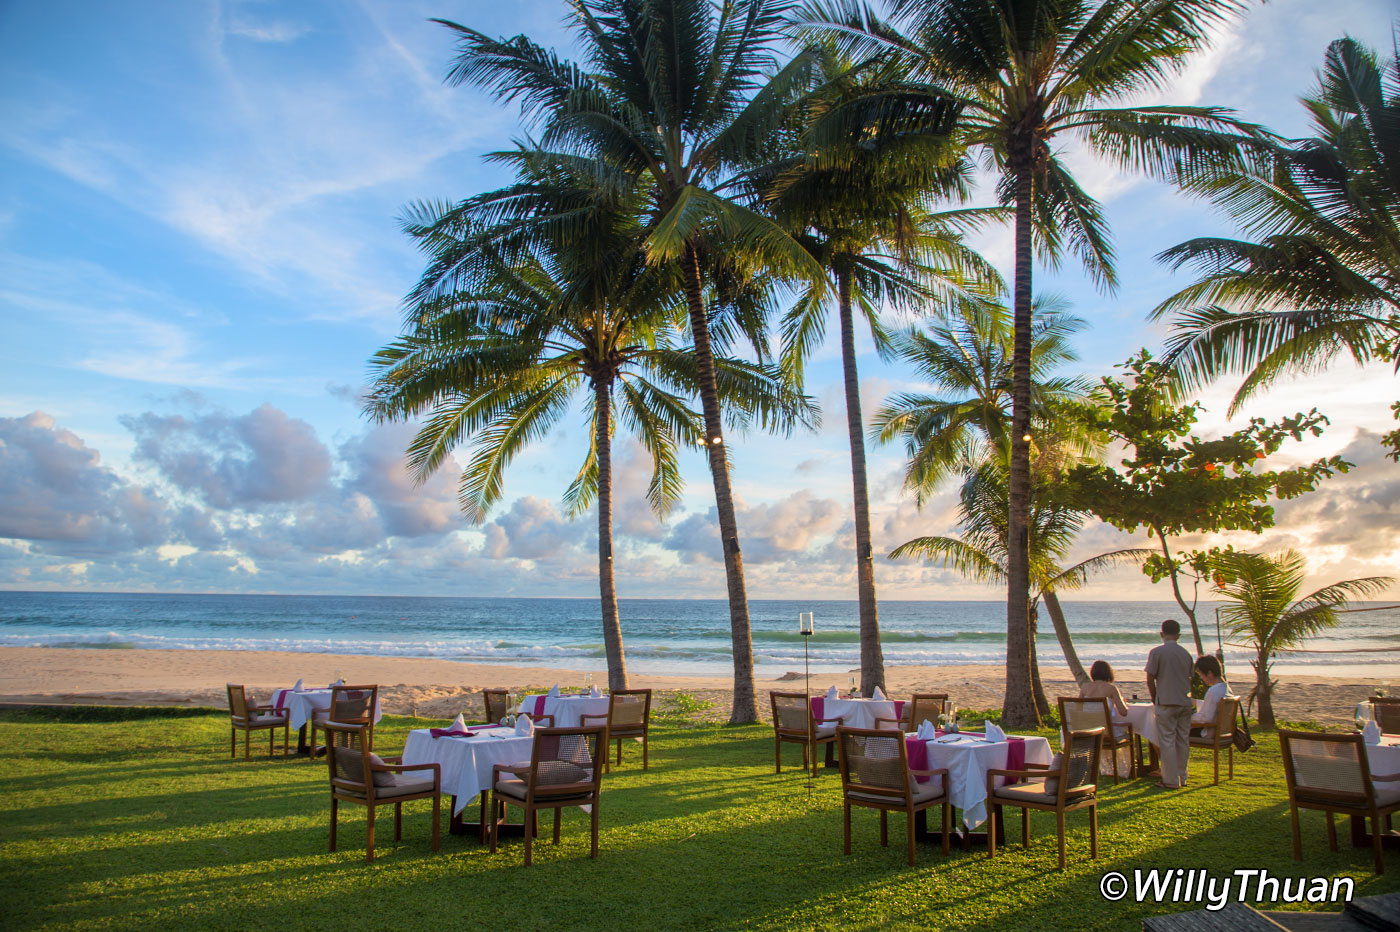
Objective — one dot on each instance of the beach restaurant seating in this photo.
(793, 721)
(1082, 714)
(350, 705)
(1068, 784)
(563, 771)
(1223, 736)
(365, 779)
(1331, 773)
(1386, 710)
(628, 716)
(247, 716)
(875, 774)
(923, 707)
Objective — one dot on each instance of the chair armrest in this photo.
(583, 719)
(1385, 777)
(403, 768)
(396, 760)
(893, 721)
(818, 721)
(940, 772)
(541, 718)
(265, 708)
(508, 768)
(1024, 774)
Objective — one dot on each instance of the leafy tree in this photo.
(502, 336)
(675, 99)
(1319, 276)
(859, 194)
(1029, 74)
(1266, 611)
(1172, 482)
(980, 552)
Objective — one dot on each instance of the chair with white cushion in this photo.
(247, 716)
(363, 778)
(1331, 773)
(1068, 784)
(875, 774)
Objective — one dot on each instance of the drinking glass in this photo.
(853, 687)
(1364, 714)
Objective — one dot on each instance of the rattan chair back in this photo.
(1078, 713)
(791, 712)
(874, 762)
(566, 761)
(353, 705)
(497, 702)
(1079, 763)
(238, 701)
(1387, 712)
(629, 709)
(925, 707)
(1326, 768)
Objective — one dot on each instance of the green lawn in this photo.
(144, 823)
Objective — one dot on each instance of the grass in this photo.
(142, 822)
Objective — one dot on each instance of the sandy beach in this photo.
(442, 688)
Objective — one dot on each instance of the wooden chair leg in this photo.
(909, 833)
(1297, 836)
(884, 829)
(335, 806)
(846, 828)
(1094, 832)
(1112, 750)
(437, 817)
(619, 752)
(369, 835)
(1025, 827)
(558, 814)
(247, 735)
(778, 754)
(530, 823)
(1216, 781)
(1231, 752)
(286, 739)
(398, 821)
(1376, 844)
(947, 826)
(1060, 828)
(645, 752)
(232, 742)
(593, 852)
(991, 835)
(1331, 832)
(271, 736)
(493, 821)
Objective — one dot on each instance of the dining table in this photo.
(1381, 758)
(568, 710)
(300, 704)
(465, 763)
(1143, 717)
(967, 756)
(856, 711)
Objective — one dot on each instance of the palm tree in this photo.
(501, 341)
(980, 551)
(1028, 74)
(1266, 612)
(859, 195)
(676, 98)
(1320, 275)
(968, 356)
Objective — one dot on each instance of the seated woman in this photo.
(1203, 721)
(1100, 686)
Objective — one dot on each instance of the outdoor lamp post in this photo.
(807, 627)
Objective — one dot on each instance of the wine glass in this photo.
(853, 687)
(1364, 715)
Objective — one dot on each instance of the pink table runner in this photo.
(918, 754)
(539, 706)
(450, 732)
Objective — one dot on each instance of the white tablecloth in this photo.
(1143, 717)
(967, 762)
(301, 704)
(568, 711)
(859, 713)
(466, 762)
(1384, 758)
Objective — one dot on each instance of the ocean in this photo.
(661, 636)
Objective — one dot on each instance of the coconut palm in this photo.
(501, 342)
(1029, 74)
(980, 550)
(674, 98)
(1266, 612)
(1319, 276)
(967, 356)
(859, 196)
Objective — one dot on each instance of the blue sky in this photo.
(199, 252)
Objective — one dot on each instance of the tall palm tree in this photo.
(859, 196)
(500, 342)
(1266, 612)
(980, 551)
(676, 98)
(1319, 276)
(1029, 74)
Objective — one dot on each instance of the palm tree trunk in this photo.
(1042, 704)
(1057, 620)
(607, 589)
(1263, 691)
(1176, 591)
(1018, 706)
(872, 658)
(745, 707)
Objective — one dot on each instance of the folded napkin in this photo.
(878, 695)
(297, 687)
(450, 733)
(595, 692)
(926, 731)
(553, 692)
(458, 723)
(1371, 734)
(524, 727)
(831, 693)
(993, 732)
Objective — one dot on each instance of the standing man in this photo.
(1169, 684)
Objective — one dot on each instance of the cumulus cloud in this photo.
(376, 463)
(782, 530)
(532, 529)
(54, 489)
(234, 461)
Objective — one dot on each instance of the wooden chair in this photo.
(628, 716)
(365, 779)
(1081, 714)
(1387, 713)
(1059, 789)
(350, 705)
(875, 774)
(248, 717)
(921, 707)
(1224, 736)
(497, 705)
(1331, 773)
(793, 721)
(563, 771)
